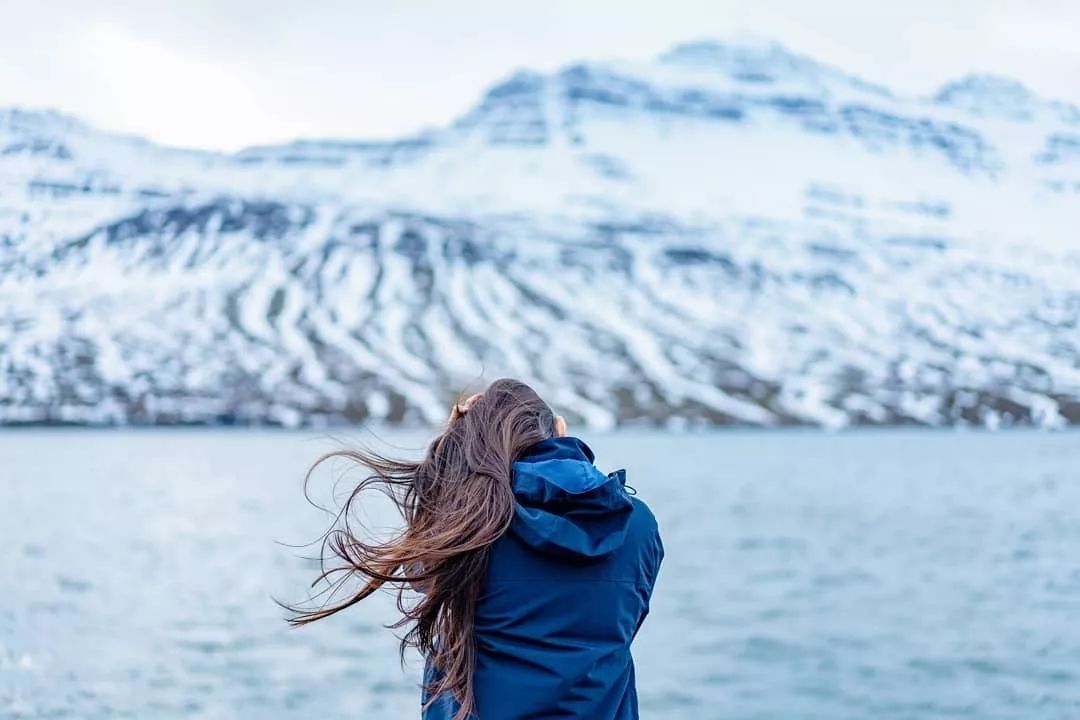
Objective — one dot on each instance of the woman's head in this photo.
(455, 503)
(502, 417)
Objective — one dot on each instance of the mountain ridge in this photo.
(747, 48)
(648, 242)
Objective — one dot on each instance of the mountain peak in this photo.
(751, 59)
(38, 120)
(755, 58)
(986, 94)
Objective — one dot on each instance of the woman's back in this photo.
(534, 568)
(566, 590)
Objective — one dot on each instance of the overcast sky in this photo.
(230, 73)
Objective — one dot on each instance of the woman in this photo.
(533, 568)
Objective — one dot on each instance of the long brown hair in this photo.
(455, 503)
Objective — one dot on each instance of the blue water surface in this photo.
(872, 574)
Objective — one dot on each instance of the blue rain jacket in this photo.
(566, 590)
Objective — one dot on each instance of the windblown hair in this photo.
(455, 503)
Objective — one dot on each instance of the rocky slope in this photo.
(731, 233)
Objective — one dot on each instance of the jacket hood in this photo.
(565, 505)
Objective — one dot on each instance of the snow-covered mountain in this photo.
(729, 233)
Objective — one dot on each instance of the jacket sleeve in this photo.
(653, 557)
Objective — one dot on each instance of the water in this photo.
(867, 575)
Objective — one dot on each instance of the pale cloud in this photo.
(178, 96)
